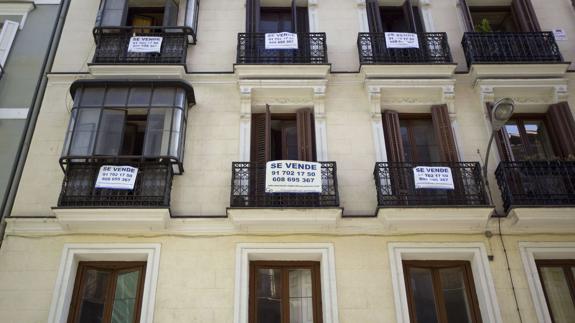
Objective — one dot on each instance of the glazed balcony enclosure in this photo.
(536, 184)
(402, 206)
(139, 124)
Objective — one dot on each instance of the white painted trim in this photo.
(362, 16)
(312, 16)
(322, 252)
(74, 253)
(531, 251)
(7, 36)
(18, 113)
(425, 12)
(47, 1)
(17, 9)
(475, 253)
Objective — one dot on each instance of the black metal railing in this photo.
(152, 187)
(504, 47)
(536, 183)
(312, 49)
(433, 49)
(396, 187)
(248, 188)
(112, 45)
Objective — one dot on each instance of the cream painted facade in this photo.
(198, 247)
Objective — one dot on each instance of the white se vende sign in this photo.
(433, 177)
(139, 44)
(283, 40)
(293, 176)
(117, 177)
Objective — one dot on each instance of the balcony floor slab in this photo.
(435, 219)
(112, 220)
(285, 219)
(509, 70)
(138, 70)
(542, 219)
(423, 71)
(282, 71)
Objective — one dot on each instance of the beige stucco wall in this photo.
(196, 274)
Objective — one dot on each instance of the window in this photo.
(285, 291)
(131, 120)
(107, 292)
(528, 138)
(268, 19)
(558, 280)
(403, 18)
(516, 16)
(283, 136)
(419, 138)
(8, 31)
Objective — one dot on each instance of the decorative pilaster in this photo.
(320, 123)
(245, 123)
(374, 95)
(312, 13)
(362, 16)
(560, 94)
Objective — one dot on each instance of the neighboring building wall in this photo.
(22, 71)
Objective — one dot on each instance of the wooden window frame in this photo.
(408, 118)
(115, 267)
(520, 119)
(434, 266)
(284, 266)
(566, 265)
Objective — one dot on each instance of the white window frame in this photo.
(532, 251)
(322, 252)
(74, 253)
(17, 9)
(475, 253)
(7, 37)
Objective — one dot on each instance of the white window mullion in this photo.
(7, 36)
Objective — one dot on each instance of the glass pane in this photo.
(139, 97)
(454, 294)
(69, 132)
(268, 295)
(559, 298)
(93, 296)
(92, 97)
(110, 133)
(422, 287)
(291, 148)
(176, 135)
(407, 153)
(163, 97)
(517, 147)
(158, 132)
(539, 143)
(85, 132)
(426, 145)
(125, 297)
(300, 296)
(116, 97)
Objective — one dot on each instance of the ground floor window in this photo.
(107, 292)
(285, 292)
(558, 280)
(440, 292)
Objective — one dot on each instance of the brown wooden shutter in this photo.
(466, 16)
(252, 16)
(392, 132)
(524, 14)
(305, 134)
(261, 137)
(501, 139)
(373, 16)
(409, 16)
(562, 129)
(444, 133)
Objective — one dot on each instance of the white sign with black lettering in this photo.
(433, 177)
(117, 177)
(281, 41)
(401, 40)
(293, 176)
(139, 44)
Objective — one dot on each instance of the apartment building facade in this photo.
(192, 96)
(25, 30)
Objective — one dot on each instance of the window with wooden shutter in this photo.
(562, 129)
(261, 137)
(404, 18)
(392, 134)
(517, 17)
(305, 134)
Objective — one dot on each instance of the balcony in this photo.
(402, 207)
(308, 61)
(528, 186)
(112, 49)
(251, 206)
(488, 53)
(151, 190)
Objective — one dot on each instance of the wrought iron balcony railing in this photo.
(396, 187)
(152, 188)
(312, 49)
(112, 45)
(536, 183)
(433, 49)
(504, 47)
(248, 189)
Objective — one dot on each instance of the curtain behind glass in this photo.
(125, 297)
